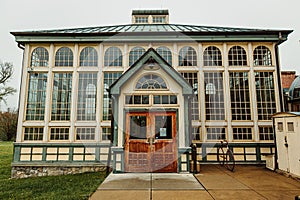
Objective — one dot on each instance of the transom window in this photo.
(165, 53)
(85, 133)
(135, 54)
(242, 133)
(64, 57)
(33, 133)
(212, 56)
(39, 57)
(137, 99)
(266, 133)
(187, 56)
(164, 99)
(89, 57)
(113, 57)
(216, 133)
(262, 56)
(237, 56)
(59, 133)
(106, 133)
(151, 82)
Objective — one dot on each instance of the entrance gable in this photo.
(149, 59)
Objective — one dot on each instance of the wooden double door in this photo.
(150, 142)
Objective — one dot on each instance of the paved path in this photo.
(214, 182)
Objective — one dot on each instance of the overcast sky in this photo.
(18, 15)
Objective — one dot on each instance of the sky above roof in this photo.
(18, 15)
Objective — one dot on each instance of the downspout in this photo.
(279, 73)
(275, 142)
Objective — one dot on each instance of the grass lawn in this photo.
(79, 186)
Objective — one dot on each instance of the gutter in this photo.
(21, 46)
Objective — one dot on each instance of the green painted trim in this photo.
(115, 128)
(152, 38)
(61, 144)
(187, 120)
(17, 153)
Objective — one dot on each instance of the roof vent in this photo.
(150, 16)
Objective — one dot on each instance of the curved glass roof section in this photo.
(294, 91)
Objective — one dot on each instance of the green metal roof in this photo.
(137, 28)
(152, 33)
(150, 12)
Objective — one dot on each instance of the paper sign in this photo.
(163, 132)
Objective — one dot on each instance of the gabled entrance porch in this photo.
(148, 101)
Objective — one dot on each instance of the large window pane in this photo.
(35, 108)
(214, 96)
(240, 96)
(109, 79)
(192, 79)
(265, 94)
(87, 93)
(61, 96)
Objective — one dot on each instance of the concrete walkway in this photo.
(214, 182)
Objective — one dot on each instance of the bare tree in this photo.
(6, 72)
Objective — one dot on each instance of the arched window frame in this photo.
(187, 56)
(151, 82)
(237, 56)
(212, 56)
(165, 53)
(113, 57)
(88, 57)
(262, 56)
(135, 54)
(64, 57)
(39, 57)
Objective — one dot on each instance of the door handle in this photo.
(153, 140)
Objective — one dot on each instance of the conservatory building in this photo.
(136, 97)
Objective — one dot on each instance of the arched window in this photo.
(262, 56)
(39, 57)
(237, 56)
(151, 82)
(212, 56)
(165, 53)
(135, 54)
(64, 57)
(88, 57)
(113, 57)
(187, 56)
